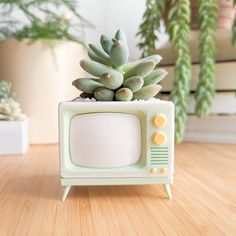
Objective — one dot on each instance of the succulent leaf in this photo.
(99, 52)
(112, 80)
(87, 85)
(124, 94)
(130, 65)
(119, 53)
(104, 94)
(134, 83)
(120, 35)
(155, 76)
(98, 59)
(141, 69)
(106, 43)
(147, 92)
(95, 68)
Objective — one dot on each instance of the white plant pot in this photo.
(13, 137)
(41, 77)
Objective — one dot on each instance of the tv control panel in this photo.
(161, 139)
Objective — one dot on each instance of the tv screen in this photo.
(104, 140)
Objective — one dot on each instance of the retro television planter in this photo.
(114, 143)
(116, 133)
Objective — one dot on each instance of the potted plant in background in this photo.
(178, 24)
(13, 124)
(39, 48)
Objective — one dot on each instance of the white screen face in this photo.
(102, 140)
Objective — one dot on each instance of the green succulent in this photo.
(9, 107)
(115, 77)
(5, 88)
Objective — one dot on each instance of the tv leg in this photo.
(167, 190)
(65, 192)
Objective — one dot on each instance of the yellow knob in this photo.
(153, 170)
(163, 170)
(159, 120)
(159, 138)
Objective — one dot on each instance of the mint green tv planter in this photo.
(116, 143)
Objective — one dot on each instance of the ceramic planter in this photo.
(111, 143)
(13, 137)
(41, 76)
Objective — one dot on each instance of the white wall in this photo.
(110, 15)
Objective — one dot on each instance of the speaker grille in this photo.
(159, 156)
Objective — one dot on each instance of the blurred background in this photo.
(42, 43)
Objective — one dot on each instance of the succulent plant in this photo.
(9, 107)
(114, 77)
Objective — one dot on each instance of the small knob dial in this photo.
(159, 138)
(159, 120)
(153, 170)
(163, 170)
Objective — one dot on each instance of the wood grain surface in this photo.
(204, 198)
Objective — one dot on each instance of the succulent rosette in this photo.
(116, 79)
(10, 108)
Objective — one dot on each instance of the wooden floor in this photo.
(204, 193)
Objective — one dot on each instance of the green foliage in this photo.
(9, 107)
(234, 28)
(205, 88)
(234, 33)
(5, 88)
(116, 79)
(178, 28)
(41, 19)
(150, 25)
